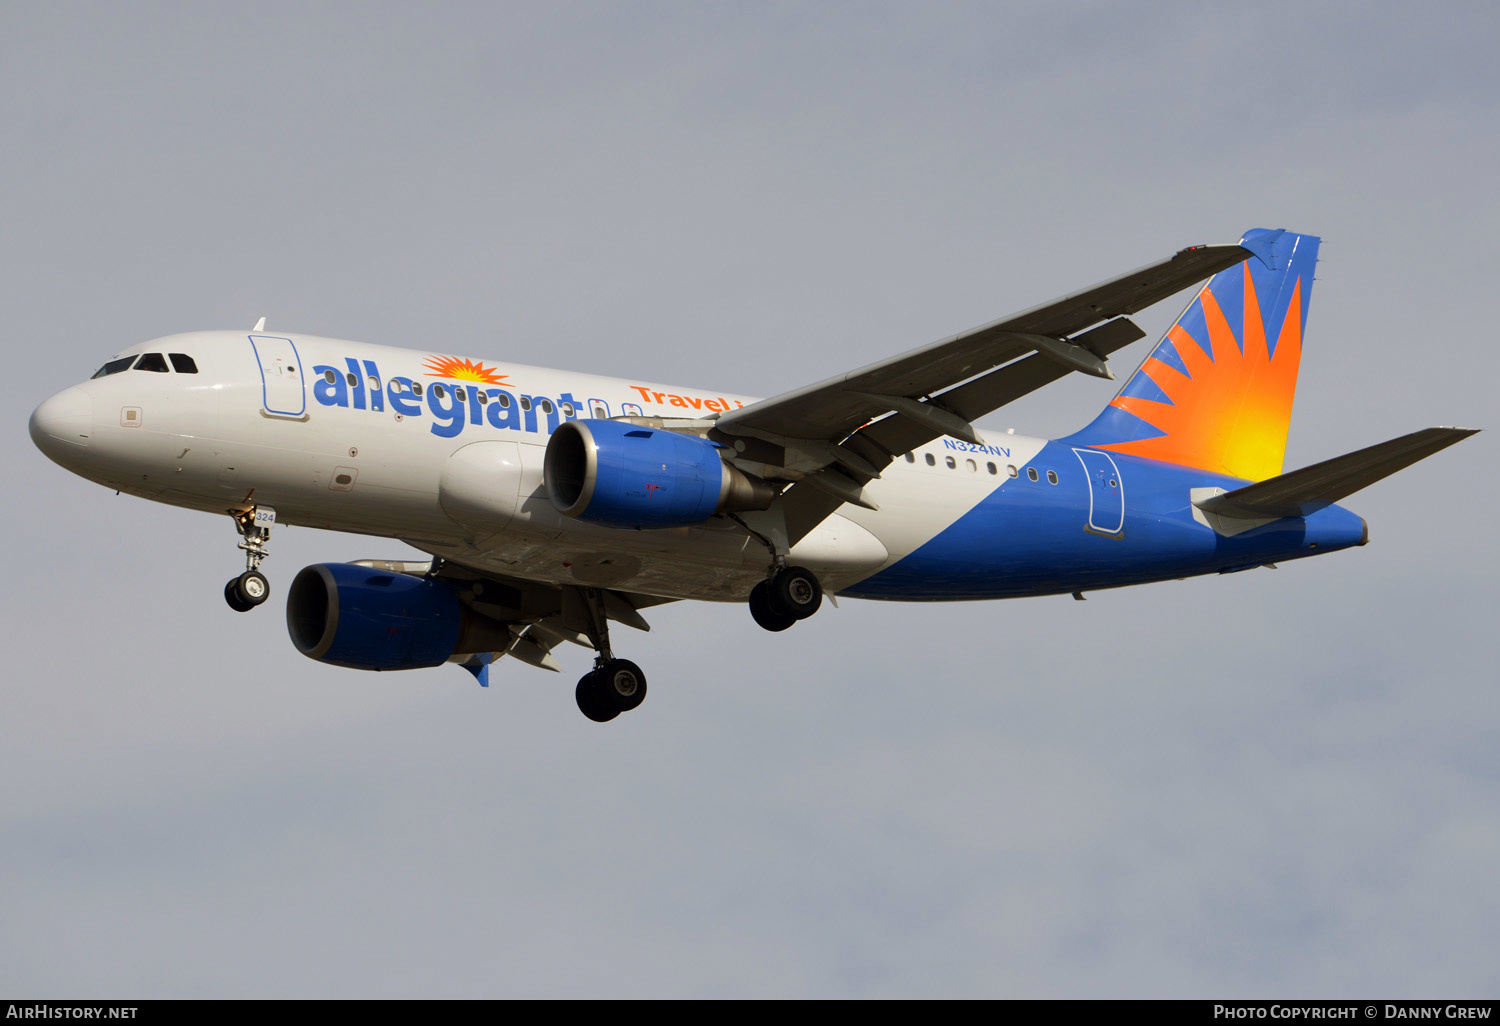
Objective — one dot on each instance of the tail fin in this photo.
(1216, 392)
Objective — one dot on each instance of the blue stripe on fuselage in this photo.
(1031, 538)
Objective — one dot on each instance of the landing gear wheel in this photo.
(621, 684)
(795, 592)
(251, 588)
(760, 609)
(232, 596)
(592, 703)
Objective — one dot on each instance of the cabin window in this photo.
(483, 396)
(330, 377)
(353, 379)
(114, 367)
(416, 389)
(374, 383)
(182, 363)
(438, 390)
(546, 405)
(630, 410)
(951, 462)
(599, 408)
(1031, 473)
(154, 362)
(1010, 468)
(526, 402)
(459, 393)
(1052, 477)
(910, 458)
(567, 409)
(931, 460)
(993, 469)
(504, 400)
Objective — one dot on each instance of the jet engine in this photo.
(369, 619)
(619, 474)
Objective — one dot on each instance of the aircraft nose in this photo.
(62, 424)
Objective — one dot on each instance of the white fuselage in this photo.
(261, 423)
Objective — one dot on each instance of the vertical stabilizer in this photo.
(1216, 392)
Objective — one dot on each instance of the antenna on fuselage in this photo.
(260, 325)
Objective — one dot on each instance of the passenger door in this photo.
(280, 375)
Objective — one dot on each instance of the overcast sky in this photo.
(1269, 784)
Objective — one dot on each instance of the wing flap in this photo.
(1308, 490)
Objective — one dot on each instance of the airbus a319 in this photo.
(554, 504)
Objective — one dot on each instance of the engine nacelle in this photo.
(368, 619)
(621, 475)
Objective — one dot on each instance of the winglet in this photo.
(1262, 242)
(479, 666)
(260, 325)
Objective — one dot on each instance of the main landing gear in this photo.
(790, 594)
(251, 588)
(614, 685)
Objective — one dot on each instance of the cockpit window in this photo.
(152, 362)
(182, 363)
(114, 366)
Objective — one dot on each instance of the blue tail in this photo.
(1216, 393)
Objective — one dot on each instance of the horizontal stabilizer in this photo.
(1308, 490)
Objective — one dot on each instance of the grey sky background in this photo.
(1271, 784)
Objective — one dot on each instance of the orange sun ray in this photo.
(1230, 413)
(456, 369)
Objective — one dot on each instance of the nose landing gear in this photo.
(251, 588)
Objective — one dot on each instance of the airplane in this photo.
(554, 503)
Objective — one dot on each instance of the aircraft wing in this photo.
(833, 408)
(840, 433)
(529, 618)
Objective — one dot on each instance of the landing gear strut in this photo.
(790, 594)
(614, 685)
(251, 588)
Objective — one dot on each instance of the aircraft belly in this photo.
(720, 562)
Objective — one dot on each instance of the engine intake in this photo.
(368, 619)
(621, 475)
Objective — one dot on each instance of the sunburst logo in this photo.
(455, 369)
(1231, 410)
